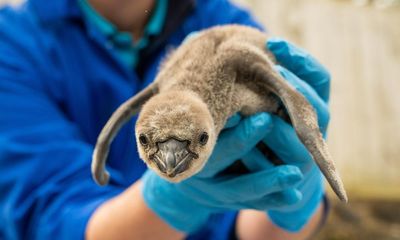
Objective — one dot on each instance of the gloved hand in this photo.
(310, 78)
(187, 205)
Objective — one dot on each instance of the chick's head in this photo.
(175, 134)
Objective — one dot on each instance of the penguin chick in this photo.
(211, 76)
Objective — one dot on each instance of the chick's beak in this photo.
(173, 156)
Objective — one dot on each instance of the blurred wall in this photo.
(361, 48)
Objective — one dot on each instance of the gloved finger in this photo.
(309, 93)
(287, 146)
(233, 143)
(256, 185)
(293, 217)
(275, 201)
(311, 186)
(301, 64)
(255, 161)
(233, 121)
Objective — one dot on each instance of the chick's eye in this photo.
(203, 138)
(143, 140)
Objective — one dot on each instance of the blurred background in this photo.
(359, 42)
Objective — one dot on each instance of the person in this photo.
(66, 65)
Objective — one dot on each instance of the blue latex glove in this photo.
(310, 78)
(188, 205)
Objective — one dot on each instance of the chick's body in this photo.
(202, 65)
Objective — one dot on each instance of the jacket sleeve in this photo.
(46, 190)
